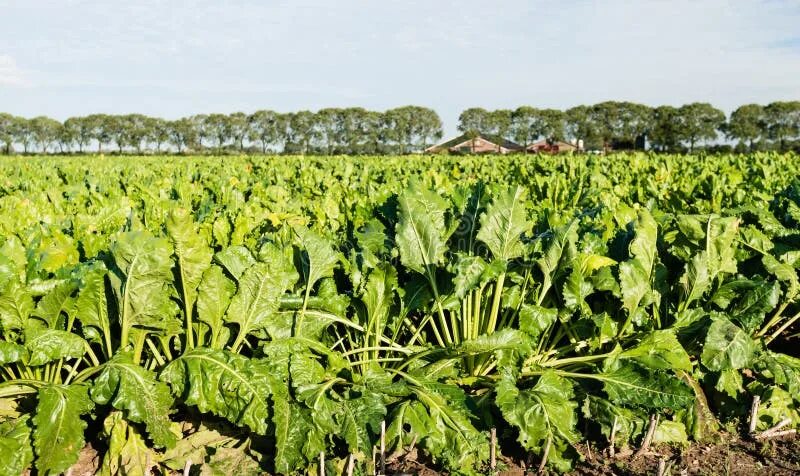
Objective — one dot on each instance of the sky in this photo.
(176, 58)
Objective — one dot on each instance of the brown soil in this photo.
(778, 456)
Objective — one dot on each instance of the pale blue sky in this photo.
(174, 58)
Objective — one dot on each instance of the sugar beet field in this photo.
(258, 315)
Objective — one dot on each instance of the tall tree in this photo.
(698, 121)
(474, 122)
(183, 133)
(328, 126)
(80, 129)
(499, 125)
(581, 127)
(159, 132)
(302, 130)
(45, 131)
(264, 128)
(7, 127)
(782, 122)
(238, 128)
(664, 134)
(218, 128)
(746, 124)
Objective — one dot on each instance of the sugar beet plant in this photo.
(554, 320)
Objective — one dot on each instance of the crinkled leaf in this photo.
(659, 350)
(128, 453)
(135, 390)
(504, 223)
(727, 346)
(235, 259)
(214, 297)
(58, 427)
(632, 385)
(46, 345)
(191, 250)
(420, 229)
(223, 383)
(15, 446)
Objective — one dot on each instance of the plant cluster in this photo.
(224, 313)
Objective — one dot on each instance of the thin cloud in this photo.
(10, 73)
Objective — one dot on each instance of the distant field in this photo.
(254, 313)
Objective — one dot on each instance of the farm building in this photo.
(551, 147)
(482, 144)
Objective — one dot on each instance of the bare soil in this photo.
(778, 457)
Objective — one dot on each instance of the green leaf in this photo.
(632, 385)
(91, 306)
(544, 415)
(730, 382)
(659, 350)
(214, 297)
(751, 309)
(420, 229)
(15, 446)
(356, 417)
(135, 390)
(504, 223)
(52, 304)
(193, 447)
(533, 320)
(46, 345)
(258, 297)
(318, 257)
(727, 346)
(16, 305)
(635, 273)
(144, 287)
(223, 383)
(378, 297)
(58, 427)
(226, 461)
(11, 352)
(127, 452)
(235, 259)
(191, 250)
(669, 431)
(296, 438)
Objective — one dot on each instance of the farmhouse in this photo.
(551, 147)
(482, 144)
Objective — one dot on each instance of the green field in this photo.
(251, 314)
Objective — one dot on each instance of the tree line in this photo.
(627, 125)
(610, 124)
(327, 131)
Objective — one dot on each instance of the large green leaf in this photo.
(504, 223)
(144, 288)
(91, 306)
(635, 273)
(15, 446)
(46, 345)
(727, 346)
(258, 297)
(193, 254)
(420, 229)
(317, 255)
(128, 453)
(11, 352)
(16, 305)
(214, 297)
(223, 383)
(632, 385)
(659, 350)
(135, 390)
(58, 427)
(544, 415)
(59, 300)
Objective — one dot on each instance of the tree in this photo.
(746, 124)
(427, 127)
(698, 121)
(159, 132)
(45, 131)
(182, 133)
(473, 122)
(264, 128)
(201, 130)
(408, 126)
(101, 127)
(7, 130)
(23, 133)
(327, 125)
(528, 124)
(782, 122)
(137, 129)
(499, 124)
(218, 128)
(302, 130)
(80, 130)
(238, 128)
(664, 134)
(581, 127)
